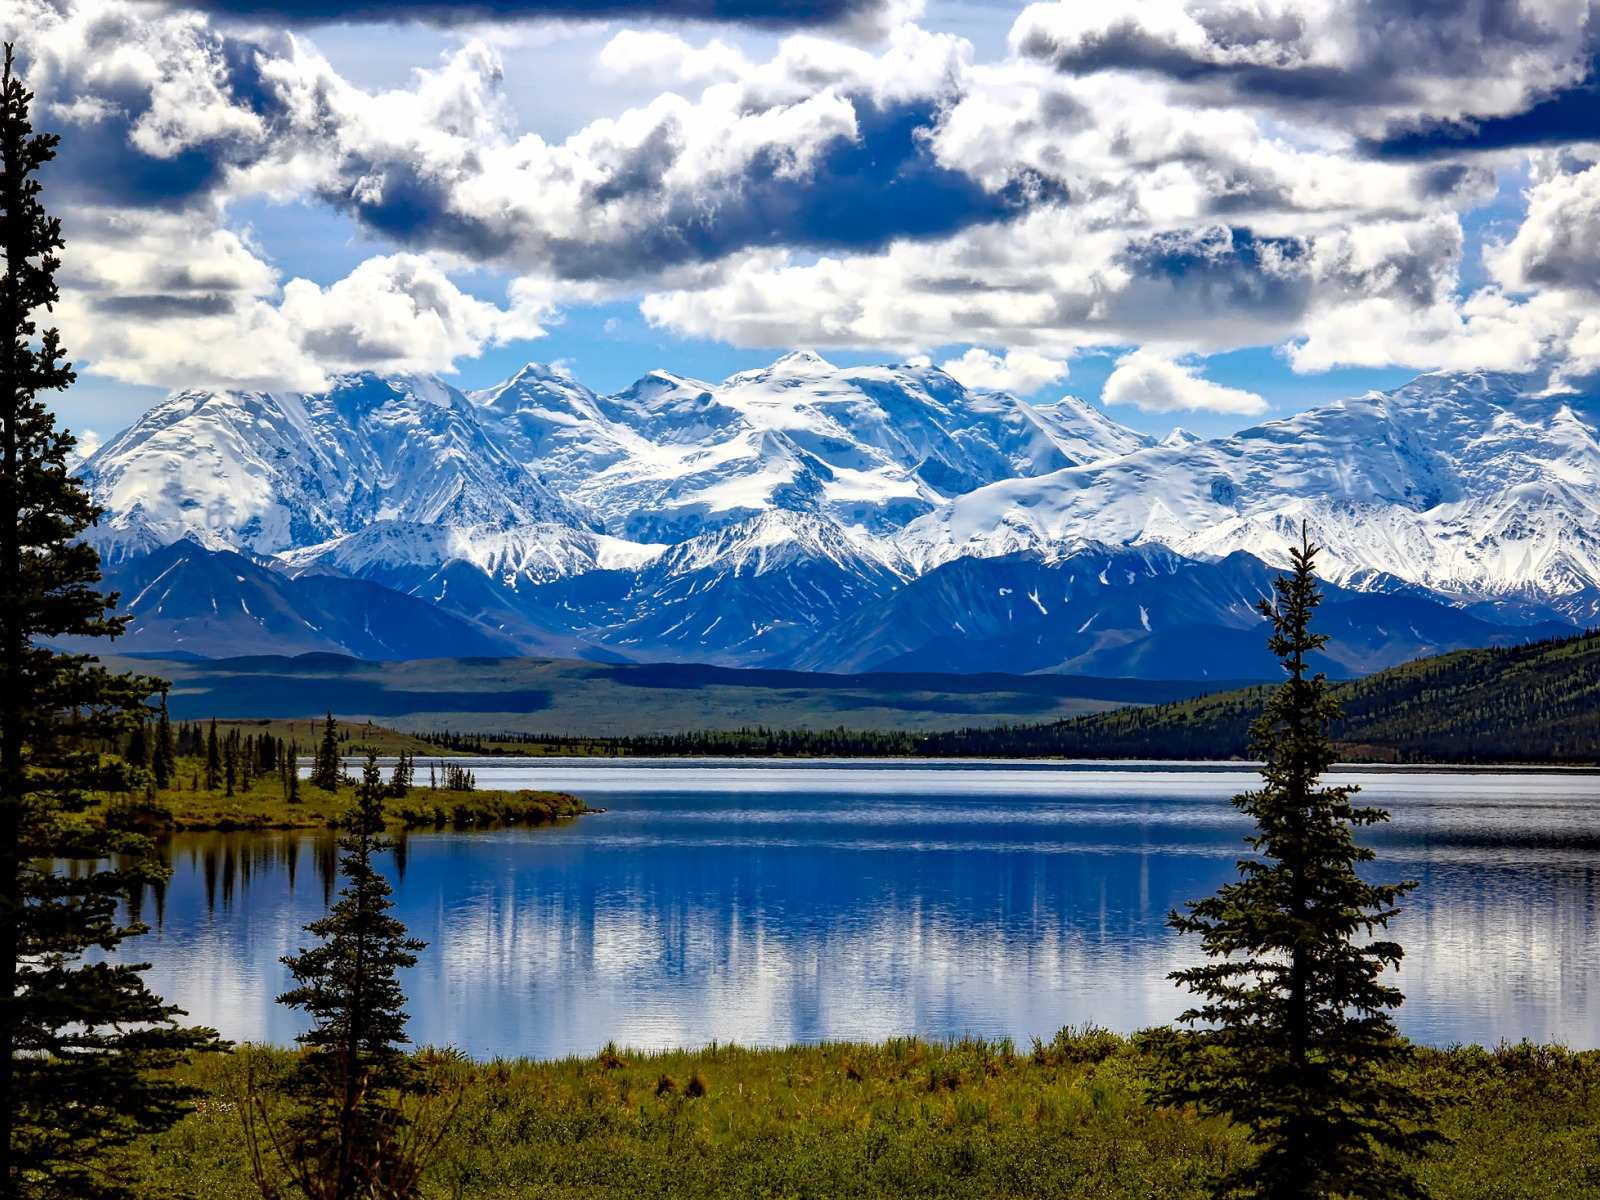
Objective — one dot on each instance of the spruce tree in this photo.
(164, 756)
(78, 1040)
(213, 759)
(1295, 1038)
(405, 774)
(347, 1138)
(136, 753)
(327, 770)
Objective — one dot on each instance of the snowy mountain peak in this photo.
(1086, 434)
(668, 458)
(538, 372)
(270, 472)
(740, 521)
(795, 364)
(655, 384)
(1449, 483)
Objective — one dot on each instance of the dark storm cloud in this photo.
(1126, 46)
(858, 193)
(100, 162)
(779, 13)
(165, 307)
(1195, 273)
(1569, 115)
(1252, 53)
(97, 164)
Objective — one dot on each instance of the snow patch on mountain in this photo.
(869, 447)
(275, 472)
(1474, 486)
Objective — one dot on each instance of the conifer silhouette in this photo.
(326, 770)
(1295, 1038)
(164, 756)
(213, 759)
(348, 1137)
(78, 1041)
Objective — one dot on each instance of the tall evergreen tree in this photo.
(345, 1141)
(213, 759)
(1295, 1038)
(230, 761)
(405, 774)
(77, 1040)
(164, 755)
(136, 751)
(326, 771)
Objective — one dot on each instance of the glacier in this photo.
(841, 519)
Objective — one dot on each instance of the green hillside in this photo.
(1534, 703)
(551, 696)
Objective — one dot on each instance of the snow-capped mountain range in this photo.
(825, 518)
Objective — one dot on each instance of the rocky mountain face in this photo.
(875, 518)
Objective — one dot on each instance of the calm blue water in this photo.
(768, 904)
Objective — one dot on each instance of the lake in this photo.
(767, 903)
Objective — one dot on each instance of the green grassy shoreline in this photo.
(903, 1118)
(187, 810)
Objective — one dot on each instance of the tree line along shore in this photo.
(1535, 703)
(244, 775)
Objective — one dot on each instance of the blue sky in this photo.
(1203, 213)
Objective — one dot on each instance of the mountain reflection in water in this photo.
(766, 904)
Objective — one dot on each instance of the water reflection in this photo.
(766, 904)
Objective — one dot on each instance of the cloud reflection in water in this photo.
(803, 902)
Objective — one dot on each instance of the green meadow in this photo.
(904, 1118)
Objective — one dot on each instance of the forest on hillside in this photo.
(1536, 703)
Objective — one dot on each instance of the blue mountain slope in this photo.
(739, 596)
(1140, 612)
(213, 603)
(1135, 613)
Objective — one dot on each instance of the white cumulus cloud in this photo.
(396, 313)
(1199, 175)
(1362, 65)
(1155, 383)
(160, 298)
(1020, 371)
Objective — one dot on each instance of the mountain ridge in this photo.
(808, 515)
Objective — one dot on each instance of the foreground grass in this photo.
(905, 1118)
